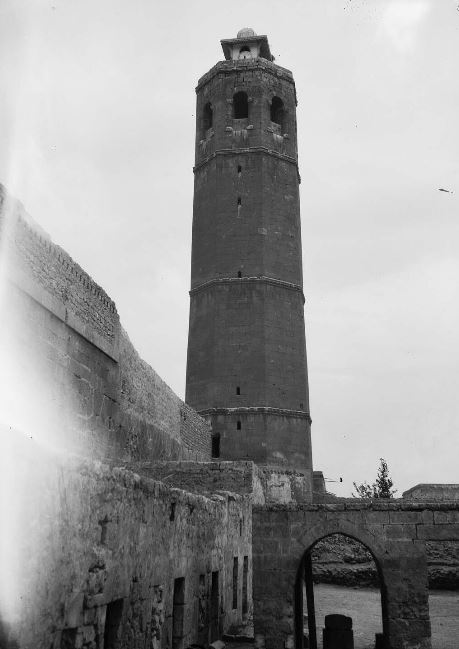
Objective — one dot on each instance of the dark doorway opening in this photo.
(214, 617)
(178, 613)
(235, 580)
(216, 445)
(245, 572)
(339, 575)
(112, 639)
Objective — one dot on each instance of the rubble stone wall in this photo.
(111, 545)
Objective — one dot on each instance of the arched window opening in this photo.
(240, 105)
(245, 53)
(339, 592)
(208, 116)
(277, 111)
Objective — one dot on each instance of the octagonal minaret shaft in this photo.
(246, 367)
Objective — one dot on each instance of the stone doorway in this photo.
(330, 576)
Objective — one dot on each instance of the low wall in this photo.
(101, 548)
(433, 492)
(283, 486)
(208, 477)
(262, 484)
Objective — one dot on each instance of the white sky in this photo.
(97, 140)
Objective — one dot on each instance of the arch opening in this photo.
(207, 117)
(339, 576)
(240, 105)
(245, 53)
(277, 112)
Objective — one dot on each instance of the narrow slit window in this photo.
(239, 169)
(238, 390)
(239, 200)
(238, 426)
(235, 575)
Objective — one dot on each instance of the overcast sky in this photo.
(97, 129)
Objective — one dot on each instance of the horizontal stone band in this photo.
(257, 410)
(244, 150)
(248, 280)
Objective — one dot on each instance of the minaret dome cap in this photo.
(246, 45)
(246, 32)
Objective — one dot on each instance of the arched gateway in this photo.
(304, 576)
(393, 532)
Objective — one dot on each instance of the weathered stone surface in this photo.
(158, 534)
(402, 560)
(65, 328)
(246, 368)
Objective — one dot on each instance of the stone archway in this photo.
(283, 534)
(304, 577)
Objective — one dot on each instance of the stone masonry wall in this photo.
(100, 550)
(243, 477)
(154, 423)
(208, 477)
(34, 257)
(396, 534)
(69, 348)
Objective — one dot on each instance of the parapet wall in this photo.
(209, 477)
(68, 343)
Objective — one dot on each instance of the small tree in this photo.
(381, 488)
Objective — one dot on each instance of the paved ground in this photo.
(364, 606)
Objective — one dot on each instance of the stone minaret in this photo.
(247, 369)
